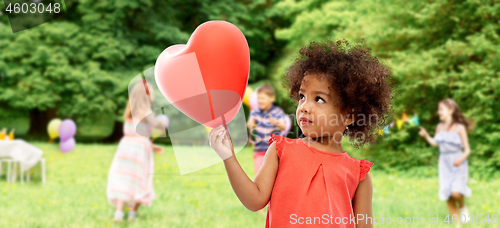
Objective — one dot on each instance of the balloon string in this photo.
(224, 122)
(227, 133)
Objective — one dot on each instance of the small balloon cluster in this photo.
(399, 123)
(65, 130)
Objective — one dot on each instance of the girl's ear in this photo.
(349, 121)
(349, 118)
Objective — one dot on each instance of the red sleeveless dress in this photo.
(313, 188)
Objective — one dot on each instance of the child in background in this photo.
(267, 120)
(451, 137)
(130, 178)
(307, 178)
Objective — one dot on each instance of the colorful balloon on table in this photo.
(67, 145)
(206, 78)
(53, 128)
(67, 129)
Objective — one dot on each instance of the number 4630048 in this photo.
(473, 219)
(33, 8)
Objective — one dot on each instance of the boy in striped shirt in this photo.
(268, 119)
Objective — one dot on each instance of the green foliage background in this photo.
(81, 64)
(436, 49)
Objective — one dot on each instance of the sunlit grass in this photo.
(75, 195)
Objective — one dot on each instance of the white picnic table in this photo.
(21, 152)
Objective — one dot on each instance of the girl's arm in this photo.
(429, 139)
(362, 203)
(462, 132)
(254, 195)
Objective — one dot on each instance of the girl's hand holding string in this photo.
(219, 141)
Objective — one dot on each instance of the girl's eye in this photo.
(301, 97)
(318, 99)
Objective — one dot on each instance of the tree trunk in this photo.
(116, 135)
(39, 120)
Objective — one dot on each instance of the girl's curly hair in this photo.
(362, 83)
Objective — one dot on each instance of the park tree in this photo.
(79, 66)
(435, 49)
(448, 49)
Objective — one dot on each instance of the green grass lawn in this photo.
(75, 195)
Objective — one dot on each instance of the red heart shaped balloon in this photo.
(206, 78)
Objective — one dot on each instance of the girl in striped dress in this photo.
(130, 179)
(451, 137)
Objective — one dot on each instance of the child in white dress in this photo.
(130, 177)
(451, 137)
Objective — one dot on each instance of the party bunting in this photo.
(415, 119)
(386, 129)
(405, 117)
(411, 122)
(399, 123)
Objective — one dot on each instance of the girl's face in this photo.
(444, 112)
(316, 114)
